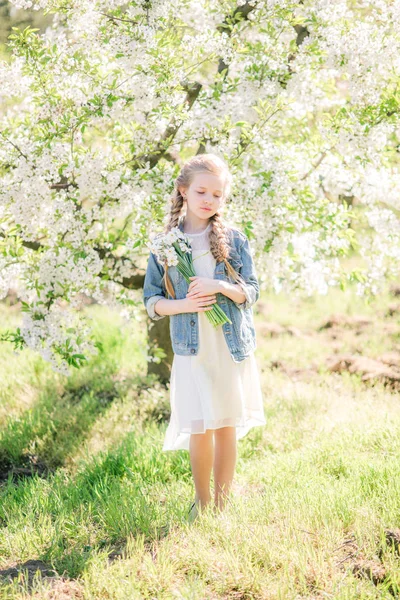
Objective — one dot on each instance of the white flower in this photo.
(164, 246)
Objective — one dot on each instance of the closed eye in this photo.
(204, 193)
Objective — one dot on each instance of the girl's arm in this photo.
(234, 291)
(243, 294)
(164, 307)
(154, 294)
(185, 305)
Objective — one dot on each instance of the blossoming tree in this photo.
(300, 98)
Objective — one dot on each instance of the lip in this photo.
(208, 209)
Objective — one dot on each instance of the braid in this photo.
(219, 244)
(176, 209)
(175, 213)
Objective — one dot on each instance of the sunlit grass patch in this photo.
(315, 491)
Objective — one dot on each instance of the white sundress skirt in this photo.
(210, 390)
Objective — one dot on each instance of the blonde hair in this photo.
(218, 235)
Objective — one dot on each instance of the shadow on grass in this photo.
(40, 440)
(113, 497)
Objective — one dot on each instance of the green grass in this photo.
(315, 488)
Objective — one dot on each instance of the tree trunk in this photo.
(160, 347)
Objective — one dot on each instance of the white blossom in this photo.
(308, 126)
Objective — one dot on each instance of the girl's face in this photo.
(204, 196)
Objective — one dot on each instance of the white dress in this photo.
(209, 390)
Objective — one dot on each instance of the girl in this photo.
(215, 391)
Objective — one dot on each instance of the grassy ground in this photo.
(316, 498)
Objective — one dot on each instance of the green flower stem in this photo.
(216, 315)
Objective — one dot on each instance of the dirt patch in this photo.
(369, 569)
(351, 557)
(390, 358)
(347, 550)
(30, 566)
(354, 322)
(369, 369)
(295, 373)
(29, 465)
(60, 588)
(392, 309)
(395, 290)
(271, 329)
(392, 541)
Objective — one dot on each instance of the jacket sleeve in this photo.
(250, 287)
(153, 287)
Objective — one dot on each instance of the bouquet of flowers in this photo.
(174, 249)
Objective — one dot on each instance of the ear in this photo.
(182, 192)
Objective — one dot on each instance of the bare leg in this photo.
(224, 464)
(201, 449)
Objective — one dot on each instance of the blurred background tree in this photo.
(99, 112)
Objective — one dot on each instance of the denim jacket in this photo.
(240, 336)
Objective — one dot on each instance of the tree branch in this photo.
(133, 282)
(112, 18)
(319, 161)
(14, 145)
(193, 91)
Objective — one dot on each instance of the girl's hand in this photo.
(201, 286)
(200, 303)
